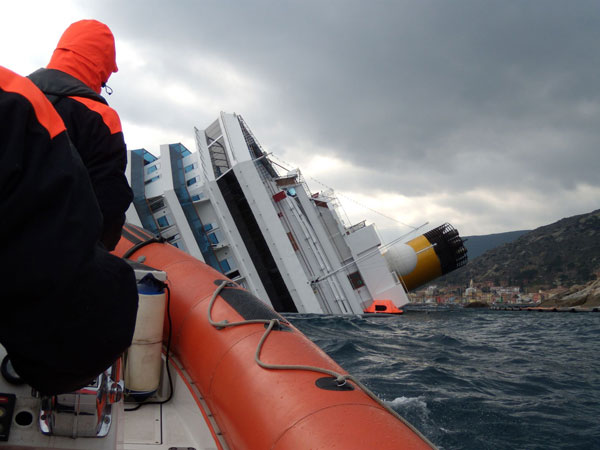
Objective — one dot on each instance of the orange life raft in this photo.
(383, 307)
(256, 408)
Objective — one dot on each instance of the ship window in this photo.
(356, 280)
(191, 181)
(152, 169)
(155, 206)
(225, 266)
(233, 275)
(148, 157)
(163, 222)
(180, 148)
(172, 238)
(380, 308)
(189, 168)
(152, 179)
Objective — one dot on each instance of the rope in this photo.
(345, 196)
(340, 378)
(136, 247)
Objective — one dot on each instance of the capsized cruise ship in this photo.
(230, 206)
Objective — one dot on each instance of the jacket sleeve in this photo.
(41, 177)
(99, 140)
(107, 172)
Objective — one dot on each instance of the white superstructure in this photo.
(227, 205)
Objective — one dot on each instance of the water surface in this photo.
(473, 379)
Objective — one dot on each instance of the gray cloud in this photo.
(428, 97)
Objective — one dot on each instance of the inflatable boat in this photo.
(231, 373)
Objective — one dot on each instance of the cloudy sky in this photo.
(483, 114)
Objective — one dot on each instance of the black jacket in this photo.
(95, 130)
(68, 306)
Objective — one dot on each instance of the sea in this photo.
(476, 379)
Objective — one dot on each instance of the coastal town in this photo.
(487, 293)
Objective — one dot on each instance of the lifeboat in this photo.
(258, 381)
(383, 307)
(233, 374)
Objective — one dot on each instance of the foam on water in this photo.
(402, 402)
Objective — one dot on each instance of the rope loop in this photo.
(222, 324)
(341, 379)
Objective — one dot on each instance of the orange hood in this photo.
(86, 50)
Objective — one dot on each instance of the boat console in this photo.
(30, 420)
(86, 412)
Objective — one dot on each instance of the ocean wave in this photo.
(408, 402)
(477, 379)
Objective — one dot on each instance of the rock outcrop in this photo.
(585, 296)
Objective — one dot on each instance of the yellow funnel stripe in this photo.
(428, 264)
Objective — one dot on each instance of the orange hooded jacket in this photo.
(86, 50)
(83, 61)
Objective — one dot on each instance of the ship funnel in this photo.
(428, 256)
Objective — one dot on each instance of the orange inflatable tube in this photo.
(254, 407)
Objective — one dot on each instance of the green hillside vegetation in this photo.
(564, 253)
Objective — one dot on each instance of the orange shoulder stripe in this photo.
(109, 115)
(44, 111)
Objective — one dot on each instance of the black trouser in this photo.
(59, 343)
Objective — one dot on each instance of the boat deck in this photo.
(179, 423)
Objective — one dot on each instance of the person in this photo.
(68, 305)
(80, 66)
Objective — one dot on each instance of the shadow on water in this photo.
(476, 379)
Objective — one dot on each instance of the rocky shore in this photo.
(587, 296)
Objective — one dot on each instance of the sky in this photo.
(483, 114)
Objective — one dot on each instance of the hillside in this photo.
(566, 253)
(478, 245)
